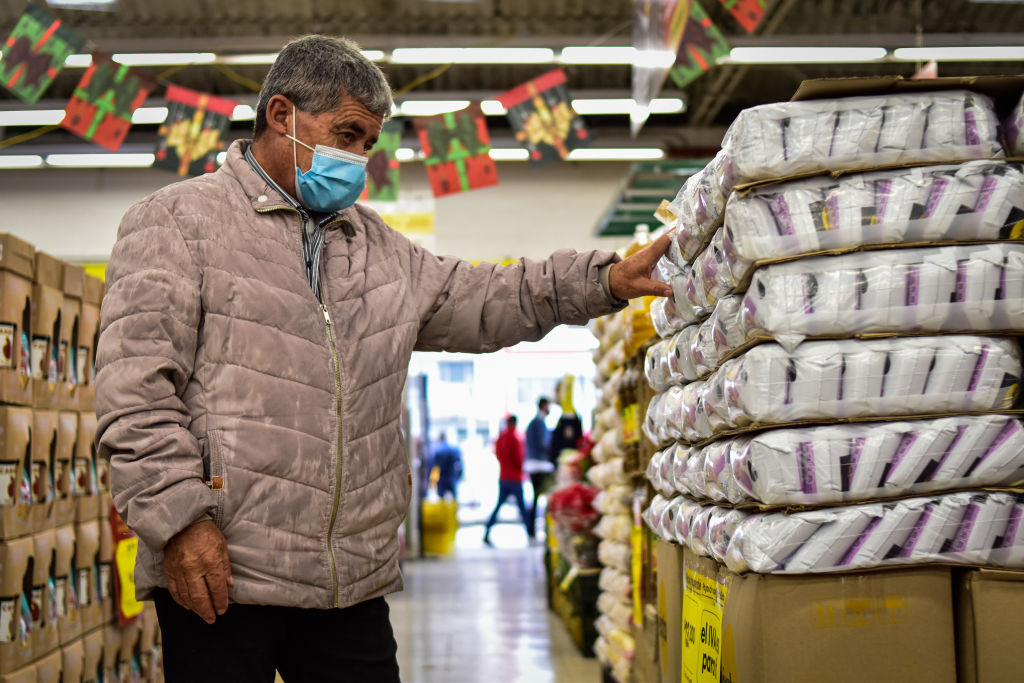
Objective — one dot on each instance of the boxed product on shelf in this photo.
(1013, 130)
(50, 668)
(47, 305)
(88, 336)
(989, 615)
(111, 651)
(71, 325)
(63, 493)
(73, 660)
(87, 548)
(44, 447)
(87, 467)
(16, 646)
(940, 289)
(15, 471)
(69, 622)
(17, 267)
(843, 379)
(127, 656)
(670, 610)
(105, 571)
(92, 659)
(43, 606)
(971, 528)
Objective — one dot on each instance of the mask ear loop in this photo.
(295, 154)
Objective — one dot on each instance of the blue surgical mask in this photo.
(333, 182)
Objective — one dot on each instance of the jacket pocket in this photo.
(217, 480)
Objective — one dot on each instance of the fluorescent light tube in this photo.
(149, 115)
(472, 55)
(430, 107)
(405, 154)
(600, 54)
(974, 53)
(20, 161)
(509, 154)
(164, 58)
(100, 160)
(31, 117)
(616, 154)
(804, 55)
(221, 157)
(492, 108)
(78, 61)
(243, 112)
(662, 105)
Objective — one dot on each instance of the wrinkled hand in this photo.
(198, 570)
(631, 278)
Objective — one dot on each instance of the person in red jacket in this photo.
(509, 450)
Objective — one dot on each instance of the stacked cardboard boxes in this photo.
(57, 617)
(805, 306)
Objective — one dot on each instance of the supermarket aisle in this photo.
(481, 615)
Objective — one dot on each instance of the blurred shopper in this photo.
(538, 464)
(255, 338)
(509, 449)
(448, 461)
(569, 430)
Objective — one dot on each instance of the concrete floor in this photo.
(480, 616)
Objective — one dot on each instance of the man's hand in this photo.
(198, 570)
(631, 278)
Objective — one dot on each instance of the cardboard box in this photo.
(68, 622)
(894, 625)
(670, 610)
(129, 653)
(24, 675)
(17, 265)
(990, 621)
(45, 632)
(63, 494)
(88, 336)
(73, 655)
(16, 561)
(15, 471)
(111, 651)
(85, 484)
(105, 567)
(50, 668)
(47, 306)
(71, 320)
(86, 571)
(92, 655)
(44, 451)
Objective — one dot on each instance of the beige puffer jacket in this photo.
(224, 387)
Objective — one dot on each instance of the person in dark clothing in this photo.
(448, 460)
(509, 450)
(538, 463)
(569, 430)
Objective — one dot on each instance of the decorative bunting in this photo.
(101, 108)
(194, 131)
(382, 168)
(748, 13)
(457, 150)
(35, 52)
(543, 118)
(702, 46)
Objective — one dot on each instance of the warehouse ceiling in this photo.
(261, 26)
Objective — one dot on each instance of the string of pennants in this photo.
(456, 145)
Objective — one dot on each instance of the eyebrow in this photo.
(358, 130)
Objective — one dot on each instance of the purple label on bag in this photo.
(988, 187)
(810, 291)
(832, 212)
(783, 219)
(805, 461)
(966, 527)
(979, 367)
(855, 450)
(915, 534)
(849, 555)
(913, 285)
(905, 443)
(961, 281)
(1008, 430)
(972, 126)
(883, 189)
(1010, 535)
(938, 189)
(960, 431)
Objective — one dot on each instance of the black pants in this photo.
(249, 642)
(537, 482)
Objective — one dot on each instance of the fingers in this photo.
(654, 251)
(217, 587)
(654, 288)
(180, 597)
(199, 595)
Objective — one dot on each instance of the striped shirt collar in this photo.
(319, 218)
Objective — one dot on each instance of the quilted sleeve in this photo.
(145, 357)
(486, 307)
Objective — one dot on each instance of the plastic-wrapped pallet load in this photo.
(795, 369)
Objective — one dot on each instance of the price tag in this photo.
(636, 537)
(126, 547)
(630, 423)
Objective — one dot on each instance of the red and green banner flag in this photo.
(194, 131)
(543, 118)
(101, 108)
(457, 149)
(748, 13)
(382, 168)
(35, 52)
(701, 47)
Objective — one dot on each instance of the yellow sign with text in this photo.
(703, 597)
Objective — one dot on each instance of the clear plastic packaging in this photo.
(617, 583)
(847, 463)
(1013, 130)
(614, 554)
(844, 379)
(614, 528)
(700, 203)
(973, 528)
(941, 289)
(850, 133)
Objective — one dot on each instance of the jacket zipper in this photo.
(337, 405)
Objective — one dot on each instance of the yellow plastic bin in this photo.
(440, 522)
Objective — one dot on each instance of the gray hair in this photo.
(315, 72)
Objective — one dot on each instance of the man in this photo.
(537, 466)
(448, 461)
(254, 344)
(509, 451)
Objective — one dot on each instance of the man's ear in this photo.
(279, 115)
